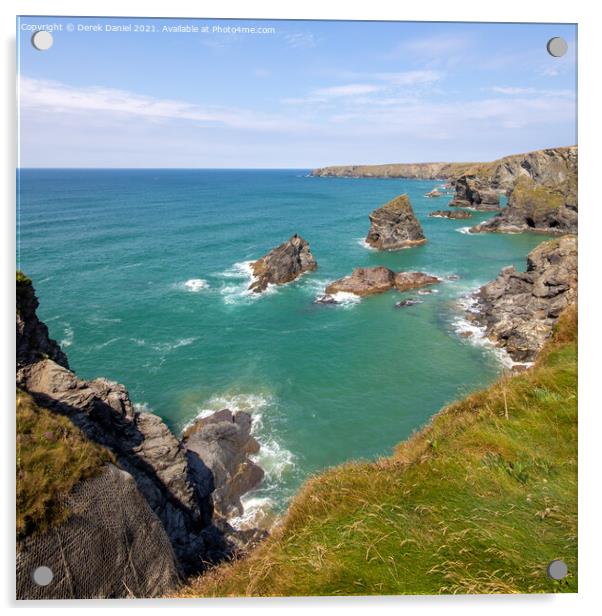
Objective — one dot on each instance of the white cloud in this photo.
(352, 89)
(517, 91)
(300, 40)
(56, 97)
(410, 78)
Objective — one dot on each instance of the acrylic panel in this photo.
(296, 308)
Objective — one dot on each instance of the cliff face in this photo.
(520, 309)
(155, 469)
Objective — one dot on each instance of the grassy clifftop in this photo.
(480, 501)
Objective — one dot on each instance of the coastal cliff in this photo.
(548, 166)
(155, 492)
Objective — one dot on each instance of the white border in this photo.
(590, 431)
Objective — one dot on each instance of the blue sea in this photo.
(142, 277)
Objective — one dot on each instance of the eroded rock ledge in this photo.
(454, 214)
(519, 309)
(475, 193)
(370, 280)
(394, 226)
(283, 264)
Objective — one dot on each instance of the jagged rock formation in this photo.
(536, 207)
(283, 264)
(519, 309)
(173, 480)
(474, 193)
(224, 442)
(394, 226)
(370, 280)
(455, 214)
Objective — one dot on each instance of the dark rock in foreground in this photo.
(224, 442)
(519, 309)
(455, 214)
(283, 264)
(475, 193)
(370, 280)
(536, 207)
(394, 226)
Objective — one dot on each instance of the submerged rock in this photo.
(455, 214)
(433, 193)
(475, 193)
(370, 280)
(519, 309)
(223, 441)
(283, 264)
(408, 302)
(325, 299)
(536, 207)
(394, 226)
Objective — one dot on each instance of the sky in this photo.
(292, 94)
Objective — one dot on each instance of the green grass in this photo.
(479, 501)
(52, 456)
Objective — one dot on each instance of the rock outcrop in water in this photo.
(370, 280)
(519, 309)
(394, 226)
(224, 442)
(475, 193)
(172, 480)
(455, 214)
(536, 207)
(283, 264)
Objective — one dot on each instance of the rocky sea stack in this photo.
(283, 264)
(394, 226)
(537, 207)
(370, 280)
(475, 193)
(519, 309)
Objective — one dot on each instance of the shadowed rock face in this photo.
(283, 264)
(536, 207)
(519, 309)
(455, 214)
(224, 442)
(370, 280)
(394, 226)
(475, 193)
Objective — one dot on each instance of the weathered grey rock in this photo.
(370, 280)
(224, 442)
(394, 226)
(455, 214)
(474, 193)
(536, 207)
(283, 264)
(519, 309)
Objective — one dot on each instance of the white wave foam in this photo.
(238, 292)
(275, 460)
(142, 407)
(194, 285)
(464, 230)
(346, 300)
(107, 343)
(363, 243)
(164, 347)
(67, 341)
(475, 334)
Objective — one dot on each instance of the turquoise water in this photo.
(141, 275)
